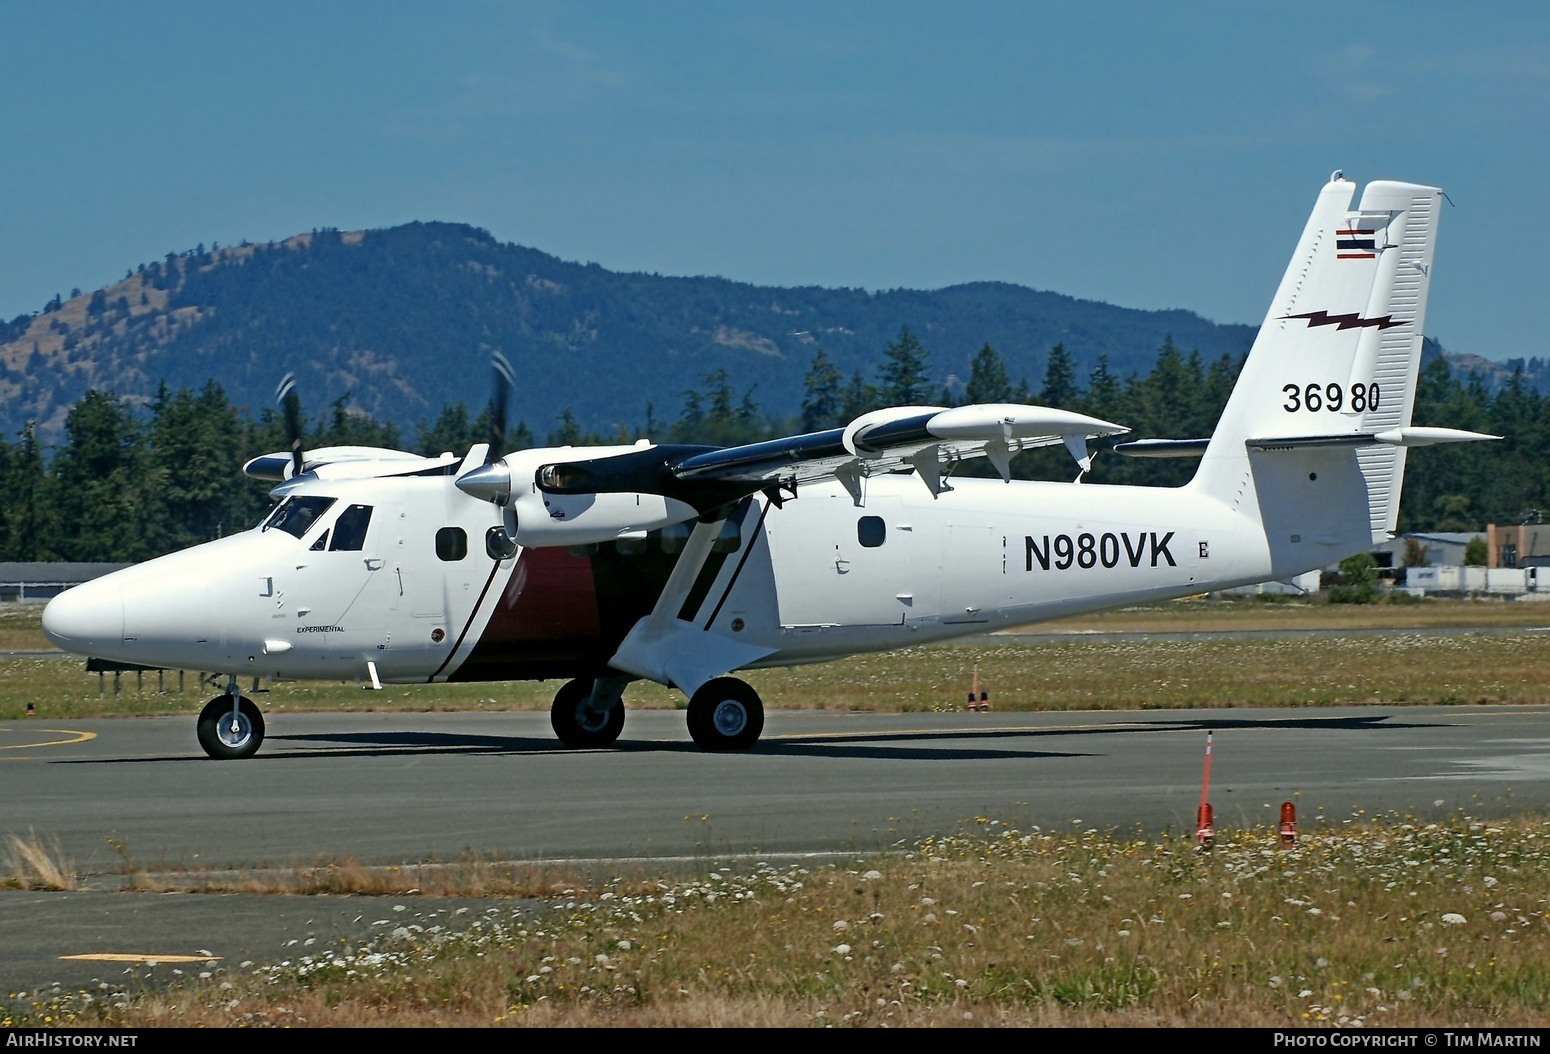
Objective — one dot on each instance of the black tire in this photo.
(579, 727)
(220, 739)
(726, 714)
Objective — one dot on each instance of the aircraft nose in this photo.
(89, 616)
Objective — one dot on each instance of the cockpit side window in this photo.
(350, 529)
(296, 514)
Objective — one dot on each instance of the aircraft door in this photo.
(412, 542)
(973, 573)
(853, 566)
(364, 542)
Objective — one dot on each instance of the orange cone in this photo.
(1288, 825)
(1205, 833)
(974, 690)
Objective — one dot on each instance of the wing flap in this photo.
(927, 440)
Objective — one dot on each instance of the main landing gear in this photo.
(724, 714)
(589, 713)
(230, 726)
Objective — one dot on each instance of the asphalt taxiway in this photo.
(383, 789)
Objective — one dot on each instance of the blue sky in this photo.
(1153, 156)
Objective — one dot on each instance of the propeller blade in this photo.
(503, 380)
(290, 404)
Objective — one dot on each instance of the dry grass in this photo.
(33, 863)
(349, 877)
(21, 627)
(1406, 665)
(1400, 667)
(1393, 923)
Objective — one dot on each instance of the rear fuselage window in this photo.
(350, 530)
(451, 543)
(630, 546)
(730, 539)
(871, 531)
(674, 537)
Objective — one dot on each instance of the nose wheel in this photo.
(230, 727)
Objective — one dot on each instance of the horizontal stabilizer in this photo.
(1399, 437)
(1163, 447)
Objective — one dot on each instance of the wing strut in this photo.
(670, 645)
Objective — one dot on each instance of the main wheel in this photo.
(579, 725)
(725, 714)
(229, 736)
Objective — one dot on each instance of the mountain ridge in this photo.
(399, 322)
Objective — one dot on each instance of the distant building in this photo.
(1439, 548)
(1518, 545)
(39, 581)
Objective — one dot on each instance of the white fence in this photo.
(1500, 581)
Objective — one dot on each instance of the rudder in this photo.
(1329, 384)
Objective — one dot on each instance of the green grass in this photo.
(1384, 921)
(1402, 666)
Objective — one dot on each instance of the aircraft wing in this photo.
(929, 440)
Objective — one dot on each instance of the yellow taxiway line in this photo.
(72, 739)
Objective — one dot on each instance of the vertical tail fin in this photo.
(1327, 390)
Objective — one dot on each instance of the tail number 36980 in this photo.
(1315, 397)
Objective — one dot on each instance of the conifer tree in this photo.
(902, 379)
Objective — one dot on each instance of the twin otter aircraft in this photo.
(679, 564)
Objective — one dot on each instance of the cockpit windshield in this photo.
(296, 514)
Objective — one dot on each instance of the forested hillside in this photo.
(126, 483)
(399, 323)
(126, 413)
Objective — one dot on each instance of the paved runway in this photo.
(396, 788)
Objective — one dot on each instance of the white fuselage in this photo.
(421, 599)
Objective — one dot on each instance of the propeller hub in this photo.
(491, 483)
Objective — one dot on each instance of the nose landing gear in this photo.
(230, 726)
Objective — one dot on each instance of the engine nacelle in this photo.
(535, 517)
(578, 519)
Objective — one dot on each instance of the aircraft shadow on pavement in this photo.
(380, 744)
(958, 744)
(844, 743)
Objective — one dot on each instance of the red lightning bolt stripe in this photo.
(1351, 321)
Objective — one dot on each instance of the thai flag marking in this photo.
(1355, 243)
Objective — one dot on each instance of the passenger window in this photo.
(674, 537)
(451, 544)
(350, 530)
(871, 531)
(730, 540)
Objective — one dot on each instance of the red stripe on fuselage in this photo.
(545, 623)
(550, 594)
